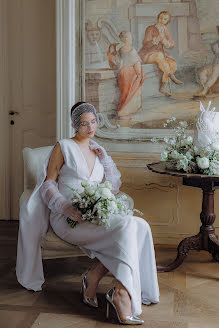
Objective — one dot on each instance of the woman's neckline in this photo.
(89, 174)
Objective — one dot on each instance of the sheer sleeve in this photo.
(112, 174)
(56, 202)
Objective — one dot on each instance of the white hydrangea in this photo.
(214, 167)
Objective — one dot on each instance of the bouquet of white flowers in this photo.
(181, 154)
(97, 202)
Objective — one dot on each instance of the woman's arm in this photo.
(49, 191)
(55, 163)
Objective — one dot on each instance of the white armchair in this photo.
(52, 245)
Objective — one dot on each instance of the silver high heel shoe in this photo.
(89, 301)
(128, 320)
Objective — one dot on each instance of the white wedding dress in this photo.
(126, 248)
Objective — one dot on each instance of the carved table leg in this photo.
(194, 242)
(207, 216)
(204, 240)
(214, 247)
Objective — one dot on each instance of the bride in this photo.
(125, 248)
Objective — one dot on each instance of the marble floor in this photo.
(188, 296)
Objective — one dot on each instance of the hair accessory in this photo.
(78, 111)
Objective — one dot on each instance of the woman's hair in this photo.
(76, 105)
(164, 13)
(123, 35)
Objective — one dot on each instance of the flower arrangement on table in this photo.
(199, 154)
(97, 203)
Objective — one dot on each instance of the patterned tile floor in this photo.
(188, 295)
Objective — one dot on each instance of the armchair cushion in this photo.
(33, 163)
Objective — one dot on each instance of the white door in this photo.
(32, 84)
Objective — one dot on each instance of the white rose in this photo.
(164, 156)
(215, 146)
(106, 193)
(89, 190)
(203, 162)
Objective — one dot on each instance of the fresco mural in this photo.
(146, 61)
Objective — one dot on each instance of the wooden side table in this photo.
(206, 238)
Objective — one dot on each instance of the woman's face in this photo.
(128, 38)
(88, 125)
(164, 19)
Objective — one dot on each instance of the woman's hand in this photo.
(72, 213)
(100, 151)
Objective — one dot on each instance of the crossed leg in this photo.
(121, 297)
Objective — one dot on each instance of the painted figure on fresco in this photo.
(131, 76)
(156, 40)
(93, 54)
(209, 75)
